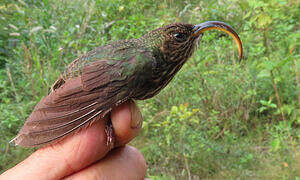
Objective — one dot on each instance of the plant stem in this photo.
(277, 96)
(12, 83)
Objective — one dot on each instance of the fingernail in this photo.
(136, 116)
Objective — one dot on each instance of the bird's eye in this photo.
(180, 36)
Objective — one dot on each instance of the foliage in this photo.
(217, 119)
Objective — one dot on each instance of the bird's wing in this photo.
(102, 85)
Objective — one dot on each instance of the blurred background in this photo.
(218, 119)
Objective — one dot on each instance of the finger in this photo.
(69, 155)
(121, 163)
(65, 157)
(127, 121)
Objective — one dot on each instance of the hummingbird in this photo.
(107, 76)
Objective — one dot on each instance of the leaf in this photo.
(174, 110)
(263, 102)
(262, 109)
(121, 8)
(273, 105)
(264, 73)
(275, 144)
(264, 20)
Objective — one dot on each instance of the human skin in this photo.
(85, 155)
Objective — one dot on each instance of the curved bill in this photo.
(208, 25)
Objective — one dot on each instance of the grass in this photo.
(218, 119)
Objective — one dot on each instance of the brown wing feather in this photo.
(75, 104)
(95, 75)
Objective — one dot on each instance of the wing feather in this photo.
(75, 104)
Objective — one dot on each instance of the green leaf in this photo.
(275, 144)
(264, 73)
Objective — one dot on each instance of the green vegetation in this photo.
(217, 119)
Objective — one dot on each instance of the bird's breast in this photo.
(159, 79)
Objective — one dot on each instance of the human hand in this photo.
(85, 155)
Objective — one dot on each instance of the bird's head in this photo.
(177, 41)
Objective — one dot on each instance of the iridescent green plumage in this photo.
(116, 51)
